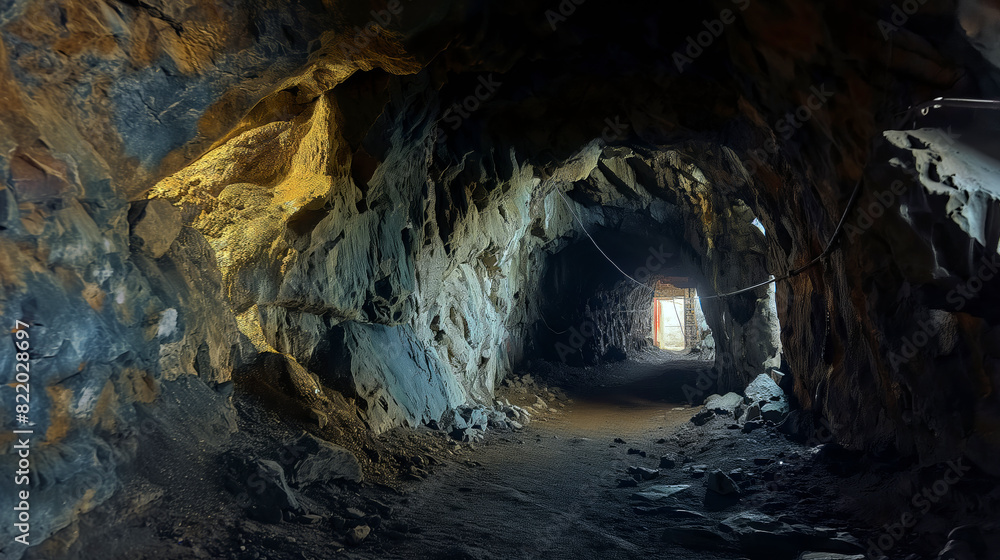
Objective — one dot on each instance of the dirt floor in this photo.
(564, 486)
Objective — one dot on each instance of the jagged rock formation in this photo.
(380, 201)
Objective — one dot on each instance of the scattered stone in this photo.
(659, 492)
(702, 417)
(323, 462)
(762, 390)
(358, 534)
(457, 421)
(497, 419)
(634, 451)
(627, 483)
(696, 538)
(751, 426)
(762, 536)
(540, 404)
(751, 413)
(774, 411)
(270, 494)
(697, 471)
(763, 461)
(467, 435)
(720, 483)
(643, 472)
(518, 414)
(619, 440)
(667, 462)
(724, 404)
(321, 419)
(353, 513)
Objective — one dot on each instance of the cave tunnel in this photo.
(300, 279)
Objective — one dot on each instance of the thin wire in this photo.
(817, 259)
(579, 221)
(923, 107)
(542, 315)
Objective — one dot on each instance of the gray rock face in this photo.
(126, 338)
(335, 227)
(763, 390)
(397, 380)
(724, 404)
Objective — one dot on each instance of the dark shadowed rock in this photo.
(697, 538)
(643, 473)
(358, 534)
(702, 417)
(322, 462)
(262, 486)
(156, 226)
(720, 483)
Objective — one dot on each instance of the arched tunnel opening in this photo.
(454, 279)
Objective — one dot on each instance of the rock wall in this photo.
(131, 338)
(343, 188)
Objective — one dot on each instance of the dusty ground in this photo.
(551, 490)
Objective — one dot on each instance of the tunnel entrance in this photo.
(675, 314)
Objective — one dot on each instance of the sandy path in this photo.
(550, 491)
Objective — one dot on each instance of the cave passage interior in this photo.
(310, 279)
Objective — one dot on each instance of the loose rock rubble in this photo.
(765, 402)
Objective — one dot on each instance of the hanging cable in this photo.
(579, 221)
(922, 108)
